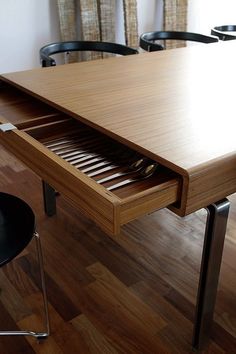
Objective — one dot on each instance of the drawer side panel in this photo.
(211, 183)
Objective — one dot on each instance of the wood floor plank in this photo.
(119, 292)
(223, 338)
(70, 340)
(56, 296)
(19, 280)
(47, 346)
(7, 344)
(12, 300)
(161, 305)
(96, 342)
(133, 296)
(8, 160)
(117, 304)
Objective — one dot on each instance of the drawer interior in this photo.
(18, 107)
(112, 165)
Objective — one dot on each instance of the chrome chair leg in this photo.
(44, 292)
(38, 335)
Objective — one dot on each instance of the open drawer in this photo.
(107, 181)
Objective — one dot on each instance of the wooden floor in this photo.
(135, 295)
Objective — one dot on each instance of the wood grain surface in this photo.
(37, 123)
(175, 106)
(135, 295)
(122, 297)
(169, 103)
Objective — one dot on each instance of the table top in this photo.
(179, 105)
(176, 106)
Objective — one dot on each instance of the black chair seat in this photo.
(17, 225)
(147, 39)
(223, 32)
(17, 228)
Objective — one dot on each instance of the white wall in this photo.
(150, 15)
(26, 25)
(205, 14)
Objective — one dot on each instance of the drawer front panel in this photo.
(158, 197)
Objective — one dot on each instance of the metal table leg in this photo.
(210, 270)
(49, 198)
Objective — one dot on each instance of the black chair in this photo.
(67, 47)
(17, 228)
(223, 32)
(78, 46)
(147, 40)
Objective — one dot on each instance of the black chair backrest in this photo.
(147, 39)
(222, 32)
(72, 46)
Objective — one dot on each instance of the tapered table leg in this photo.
(49, 198)
(210, 270)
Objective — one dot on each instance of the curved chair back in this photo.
(147, 40)
(72, 46)
(223, 32)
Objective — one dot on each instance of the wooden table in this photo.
(176, 107)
